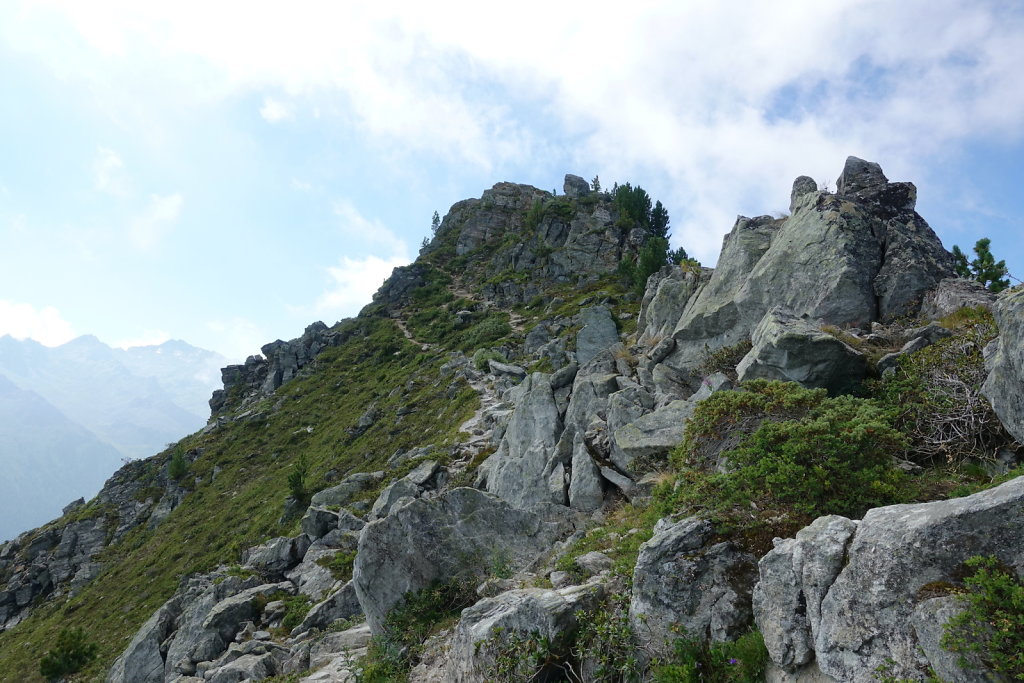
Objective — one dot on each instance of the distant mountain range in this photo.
(70, 414)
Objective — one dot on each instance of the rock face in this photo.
(494, 623)
(792, 349)
(850, 258)
(520, 471)
(846, 593)
(1004, 387)
(954, 293)
(684, 579)
(456, 534)
(261, 375)
(598, 333)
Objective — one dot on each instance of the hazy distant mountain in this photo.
(70, 414)
(47, 460)
(136, 400)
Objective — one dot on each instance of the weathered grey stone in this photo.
(341, 604)
(683, 579)
(665, 298)
(455, 534)
(594, 562)
(520, 470)
(597, 334)
(142, 661)
(847, 259)
(349, 522)
(343, 493)
(954, 293)
(802, 186)
(318, 521)
(564, 377)
(1004, 387)
(865, 617)
(654, 434)
(309, 577)
(929, 621)
(859, 175)
(487, 626)
(389, 497)
(662, 349)
(228, 614)
(334, 644)
(794, 578)
(276, 556)
(250, 667)
(422, 474)
(791, 349)
(586, 492)
(575, 187)
(498, 368)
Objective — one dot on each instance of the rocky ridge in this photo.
(572, 418)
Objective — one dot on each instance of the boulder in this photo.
(665, 298)
(142, 661)
(492, 625)
(520, 470)
(793, 349)
(802, 186)
(342, 604)
(597, 334)
(455, 535)
(684, 579)
(794, 577)
(586, 491)
(348, 489)
(1005, 362)
(954, 293)
(864, 618)
(402, 489)
(277, 555)
(318, 521)
(227, 615)
(575, 187)
(309, 577)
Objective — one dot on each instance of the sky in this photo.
(227, 173)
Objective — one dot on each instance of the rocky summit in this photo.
(551, 449)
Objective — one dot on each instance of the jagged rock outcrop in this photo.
(850, 258)
(457, 534)
(845, 593)
(685, 579)
(793, 349)
(280, 362)
(1004, 387)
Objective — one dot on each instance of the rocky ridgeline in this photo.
(836, 602)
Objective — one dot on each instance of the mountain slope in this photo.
(514, 359)
(48, 460)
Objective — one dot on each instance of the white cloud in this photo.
(24, 321)
(158, 217)
(722, 104)
(146, 338)
(274, 111)
(364, 232)
(107, 172)
(352, 285)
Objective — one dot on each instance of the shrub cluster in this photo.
(72, 651)
(789, 455)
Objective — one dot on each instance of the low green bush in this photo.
(991, 627)
(806, 456)
(72, 651)
(698, 661)
(936, 395)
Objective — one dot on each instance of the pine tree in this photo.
(659, 220)
(985, 269)
(596, 184)
(435, 223)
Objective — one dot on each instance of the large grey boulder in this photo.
(792, 349)
(347, 490)
(865, 617)
(597, 334)
(277, 555)
(794, 577)
(142, 661)
(520, 470)
(1004, 387)
(665, 297)
(575, 186)
(954, 293)
(493, 624)
(457, 534)
(586, 488)
(309, 576)
(684, 579)
(850, 258)
(341, 604)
